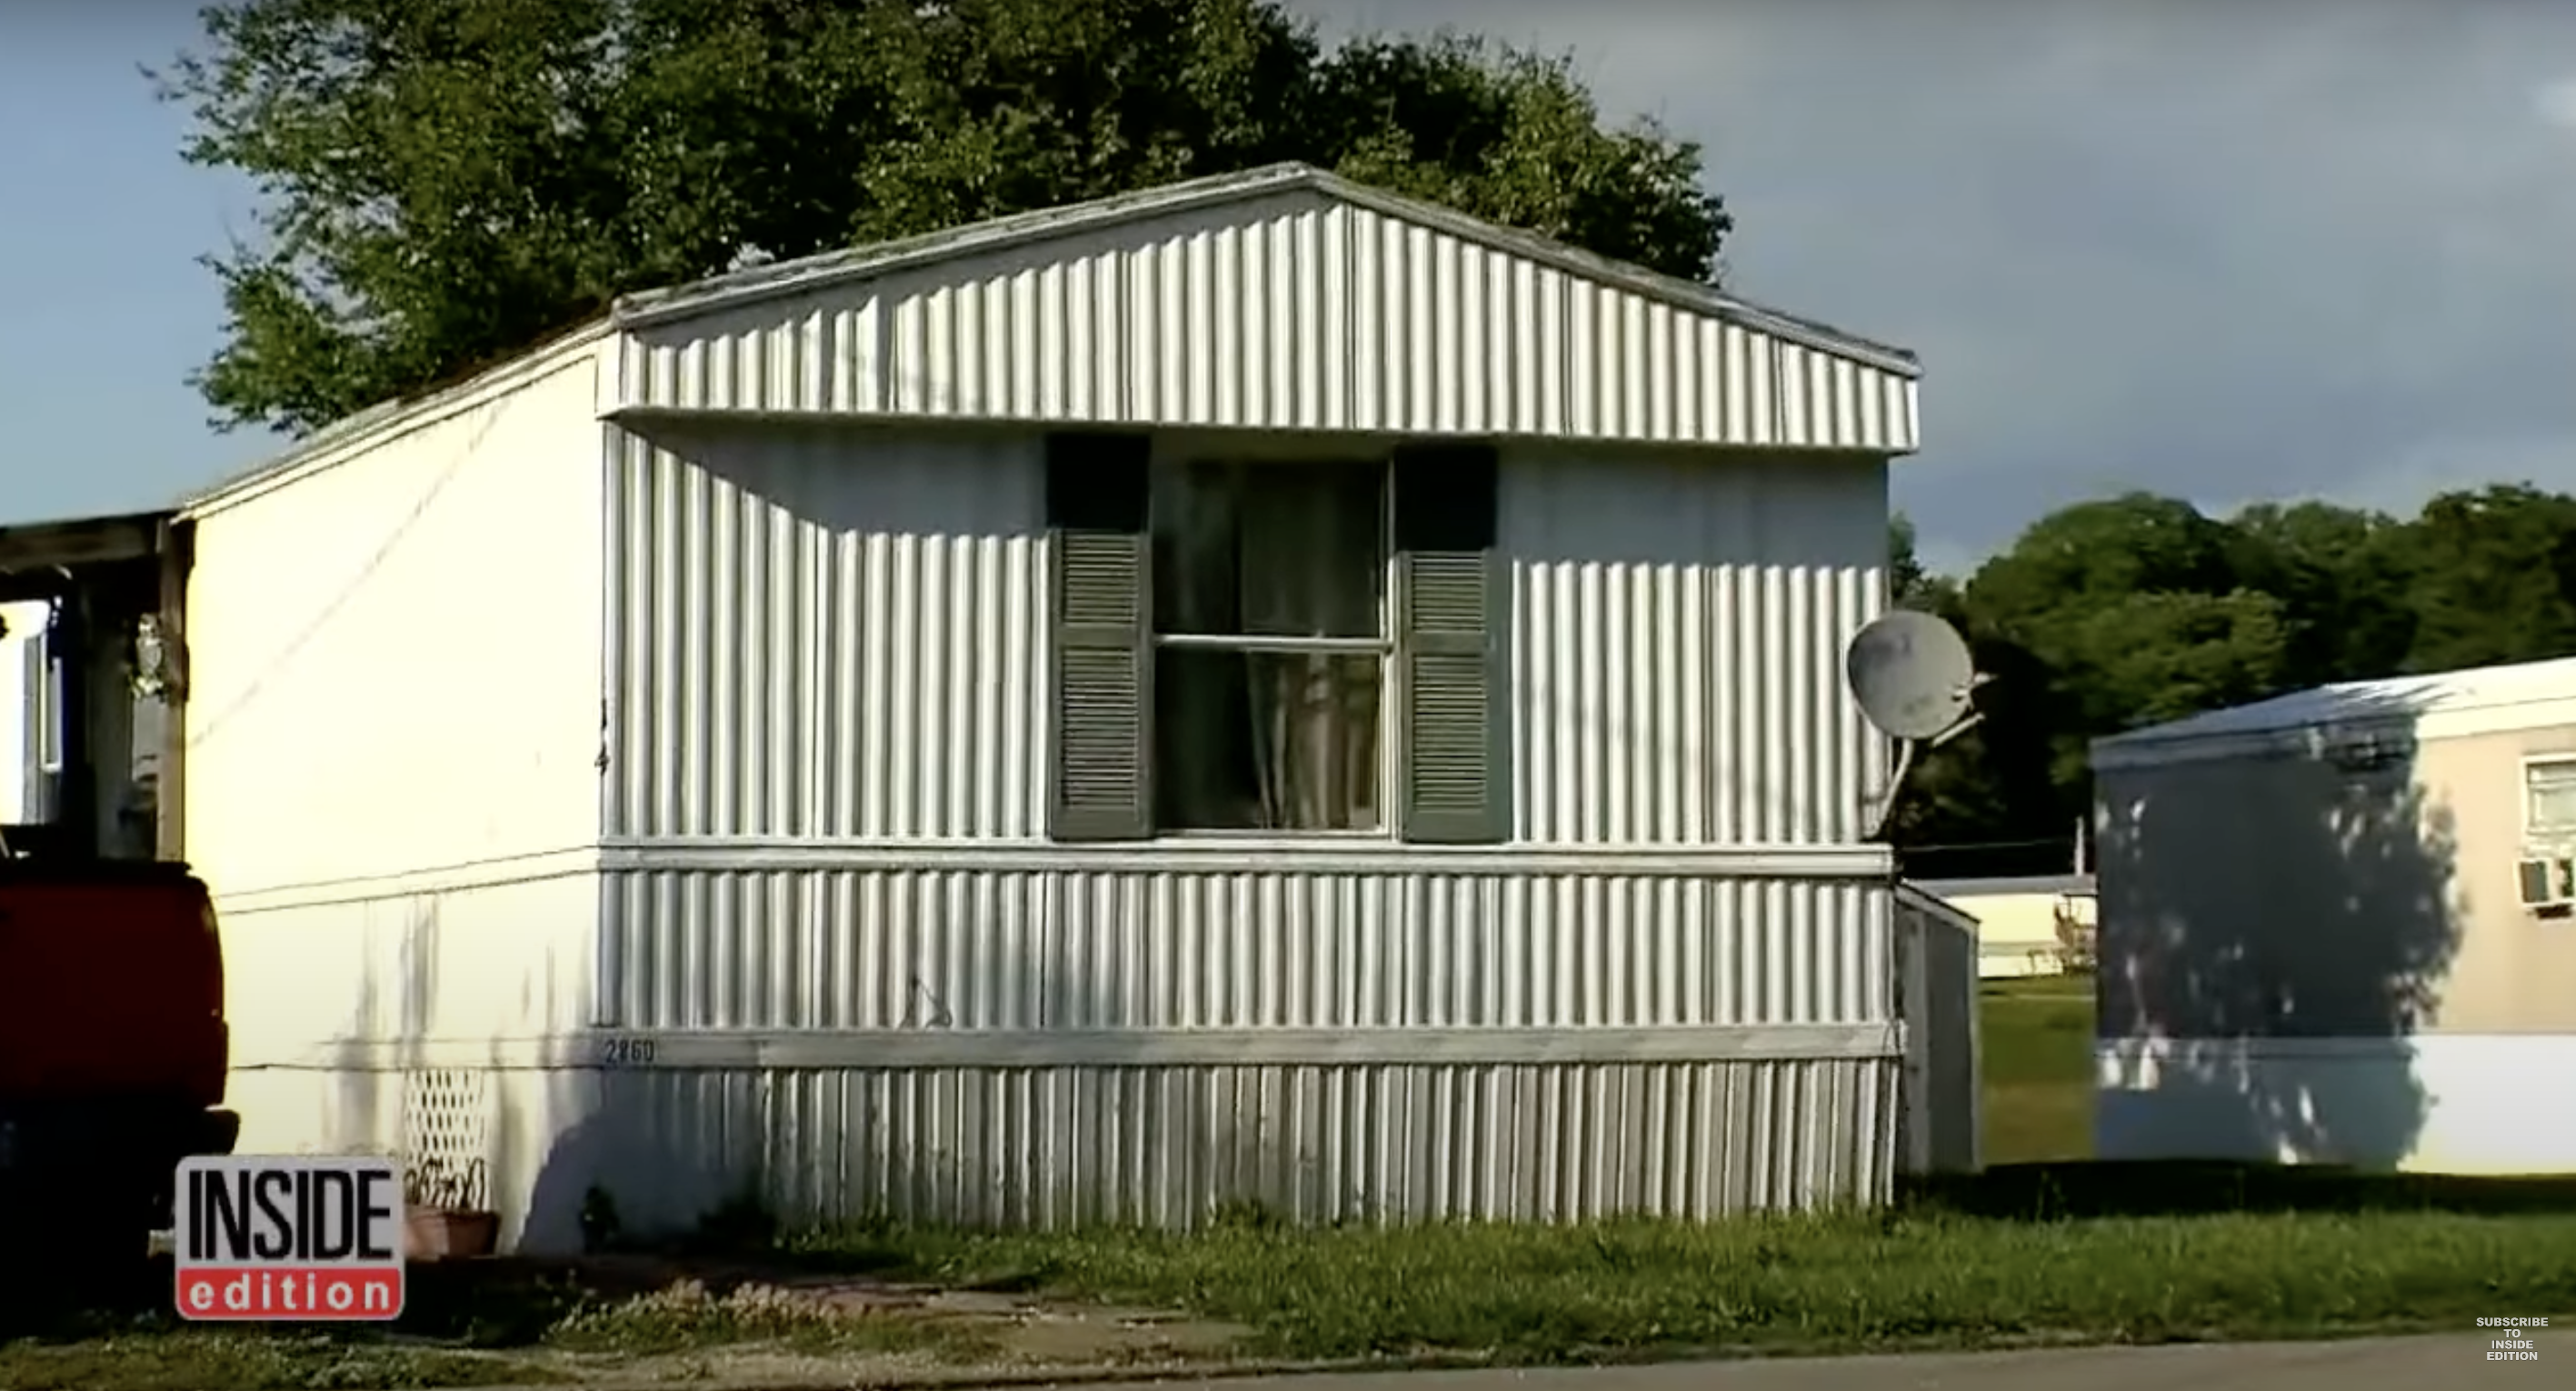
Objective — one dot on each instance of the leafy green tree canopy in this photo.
(450, 181)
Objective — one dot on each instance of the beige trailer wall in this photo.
(2322, 958)
(2514, 969)
(2017, 932)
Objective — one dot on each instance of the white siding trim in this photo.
(730, 854)
(689, 1050)
(1218, 855)
(430, 879)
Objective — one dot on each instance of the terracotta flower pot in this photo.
(443, 1233)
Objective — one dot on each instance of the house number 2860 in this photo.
(627, 1052)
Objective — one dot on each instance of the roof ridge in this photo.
(870, 259)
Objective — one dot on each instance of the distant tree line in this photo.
(2137, 609)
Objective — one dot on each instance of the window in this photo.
(1272, 648)
(2549, 799)
(44, 729)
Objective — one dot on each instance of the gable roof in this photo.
(808, 273)
(1280, 299)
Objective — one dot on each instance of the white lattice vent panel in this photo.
(446, 1119)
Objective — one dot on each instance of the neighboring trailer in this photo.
(2315, 944)
(1254, 691)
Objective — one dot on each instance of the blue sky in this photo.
(106, 310)
(2308, 248)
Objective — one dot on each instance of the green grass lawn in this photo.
(2036, 1050)
(2045, 1246)
(1928, 1275)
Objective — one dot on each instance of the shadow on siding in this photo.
(2273, 904)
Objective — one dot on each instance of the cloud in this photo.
(2555, 103)
(2310, 248)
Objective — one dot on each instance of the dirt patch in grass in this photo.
(628, 1318)
(195, 1360)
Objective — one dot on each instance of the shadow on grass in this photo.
(466, 1303)
(2188, 1188)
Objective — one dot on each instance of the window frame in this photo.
(1447, 632)
(2530, 765)
(44, 703)
(1387, 646)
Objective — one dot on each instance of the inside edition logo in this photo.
(275, 1238)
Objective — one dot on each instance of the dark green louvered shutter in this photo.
(1449, 645)
(1103, 663)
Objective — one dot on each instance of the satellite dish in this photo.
(1911, 674)
(1915, 682)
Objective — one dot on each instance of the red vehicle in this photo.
(113, 1049)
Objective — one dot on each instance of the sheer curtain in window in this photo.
(1270, 739)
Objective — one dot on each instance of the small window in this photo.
(2549, 799)
(1277, 647)
(1270, 646)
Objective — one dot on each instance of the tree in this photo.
(449, 181)
(2489, 577)
(1909, 584)
(2096, 551)
(2341, 583)
(2102, 616)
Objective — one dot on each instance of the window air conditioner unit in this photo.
(2547, 883)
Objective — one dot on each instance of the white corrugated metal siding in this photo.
(826, 633)
(1199, 948)
(825, 817)
(1678, 629)
(953, 958)
(1066, 1147)
(1297, 311)
(841, 633)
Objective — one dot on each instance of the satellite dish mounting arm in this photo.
(1883, 806)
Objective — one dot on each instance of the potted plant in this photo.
(444, 1216)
